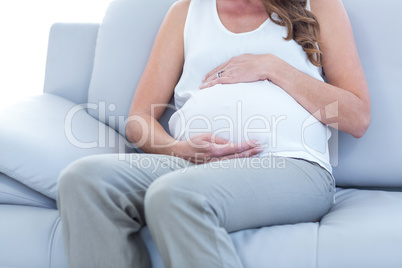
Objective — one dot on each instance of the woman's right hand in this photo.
(203, 148)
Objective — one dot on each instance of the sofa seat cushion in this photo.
(30, 238)
(363, 229)
(43, 134)
(13, 192)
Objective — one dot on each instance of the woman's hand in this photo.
(203, 148)
(240, 69)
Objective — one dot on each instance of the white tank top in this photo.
(244, 111)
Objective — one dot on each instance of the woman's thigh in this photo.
(255, 192)
(138, 169)
(120, 177)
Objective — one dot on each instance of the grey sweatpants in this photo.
(189, 209)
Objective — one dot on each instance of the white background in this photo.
(24, 30)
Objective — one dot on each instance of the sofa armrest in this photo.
(70, 58)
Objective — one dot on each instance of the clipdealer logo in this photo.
(108, 137)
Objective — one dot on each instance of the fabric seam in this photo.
(51, 241)
(316, 244)
(26, 182)
(26, 197)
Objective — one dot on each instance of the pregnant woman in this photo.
(248, 144)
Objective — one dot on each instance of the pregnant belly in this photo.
(250, 111)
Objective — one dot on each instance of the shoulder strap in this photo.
(308, 5)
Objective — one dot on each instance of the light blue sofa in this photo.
(98, 66)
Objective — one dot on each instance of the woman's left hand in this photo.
(240, 69)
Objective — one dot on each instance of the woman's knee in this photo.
(171, 197)
(82, 174)
(163, 197)
(160, 196)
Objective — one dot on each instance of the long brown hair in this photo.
(301, 24)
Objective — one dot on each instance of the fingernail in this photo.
(256, 142)
(260, 149)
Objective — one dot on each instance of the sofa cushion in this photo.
(30, 237)
(363, 229)
(270, 246)
(125, 40)
(375, 159)
(43, 134)
(13, 192)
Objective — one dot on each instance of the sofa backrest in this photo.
(376, 159)
(125, 40)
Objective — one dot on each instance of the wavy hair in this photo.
(302, 26)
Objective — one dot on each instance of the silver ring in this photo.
(219, 74)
